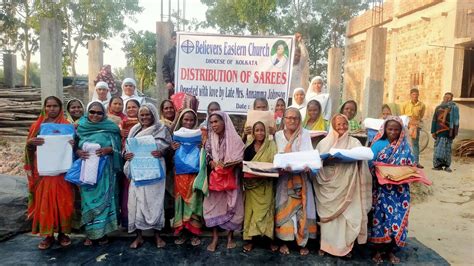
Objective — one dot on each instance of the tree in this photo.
(322, 22)
(140, 51)
(87, 19)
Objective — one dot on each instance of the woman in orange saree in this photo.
(50, 198)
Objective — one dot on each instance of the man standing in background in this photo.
(415, 110)
(444, 128)
(168, 66)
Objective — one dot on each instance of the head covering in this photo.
(268, 149)
(130, 81)
(179, 122)
(333, 140)
(398, 152)
(95, 96)
(278, 114)
(298, 132)
(68, 115)
(29, 159)
(310, 93)
(301, 107)
(319, 124)
(105, 74)
(112, 114)
(228, 150)
(105, 132)
(393, 108)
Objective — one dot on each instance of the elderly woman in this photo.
(74, 110)
(188, 202)
(102, 94)
(391, 202)
(99, 201)
(343, 194)
(223, 207)
(129, 90)
(146, 202)
(299, 101)
(51, 198)
(295, 211)
(258, 195)
(315, 92)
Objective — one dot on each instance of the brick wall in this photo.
(412, 59)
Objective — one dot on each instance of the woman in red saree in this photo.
(51, 198)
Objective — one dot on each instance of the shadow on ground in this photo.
(22, 249)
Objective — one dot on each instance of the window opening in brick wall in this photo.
(467, 87)
(416, 79)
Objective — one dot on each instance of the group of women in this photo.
(340, 204)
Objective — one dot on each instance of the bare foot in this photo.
(273, 247)
(212, 247)
(284, 250)
(393, 259)
(46, 243)
(304, 251)
(248, 247)
(195, 241)
(160, 243)
(231, 244)
(138, 242)
(377, 258)
(321, 252)
(180, 240)
(88, 242)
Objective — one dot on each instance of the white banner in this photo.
(233, 70)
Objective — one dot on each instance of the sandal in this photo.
(195, 241)
(46, 243)
(64, 240)
(180, 240)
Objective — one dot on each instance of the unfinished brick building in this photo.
(429, 45)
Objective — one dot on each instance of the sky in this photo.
(144, 21)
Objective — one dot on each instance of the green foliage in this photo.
(34, 74)
(322, 22)
(140, 51)
(119, 73)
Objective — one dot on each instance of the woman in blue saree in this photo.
(99, 201)
(391, 203)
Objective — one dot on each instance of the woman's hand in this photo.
(175, 145)
(433, 135)
(288, 169)
(33, 142)
(124, 133)
(248, 130)
(103, 151)
(271, 130)
(82, 154)
(307, 169)
(71, 142)
(156, 154)
(128, 156)
(213, 165)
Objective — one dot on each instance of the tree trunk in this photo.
(26, 78)
(69, 44)
(142, 82)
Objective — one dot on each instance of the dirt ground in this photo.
(442, 217)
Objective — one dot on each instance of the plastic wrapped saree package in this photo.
(298, 161)
(57, 129)
(54, 157)
(186, 157)
(144, 168)
(350, 155)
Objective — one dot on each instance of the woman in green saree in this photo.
(99, 201)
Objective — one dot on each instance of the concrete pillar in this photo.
(95, 52)
(334, 77)
(51, 58)
(163, 44)
(9, 69)
(372, 96)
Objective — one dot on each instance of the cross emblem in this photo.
(187, 46)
